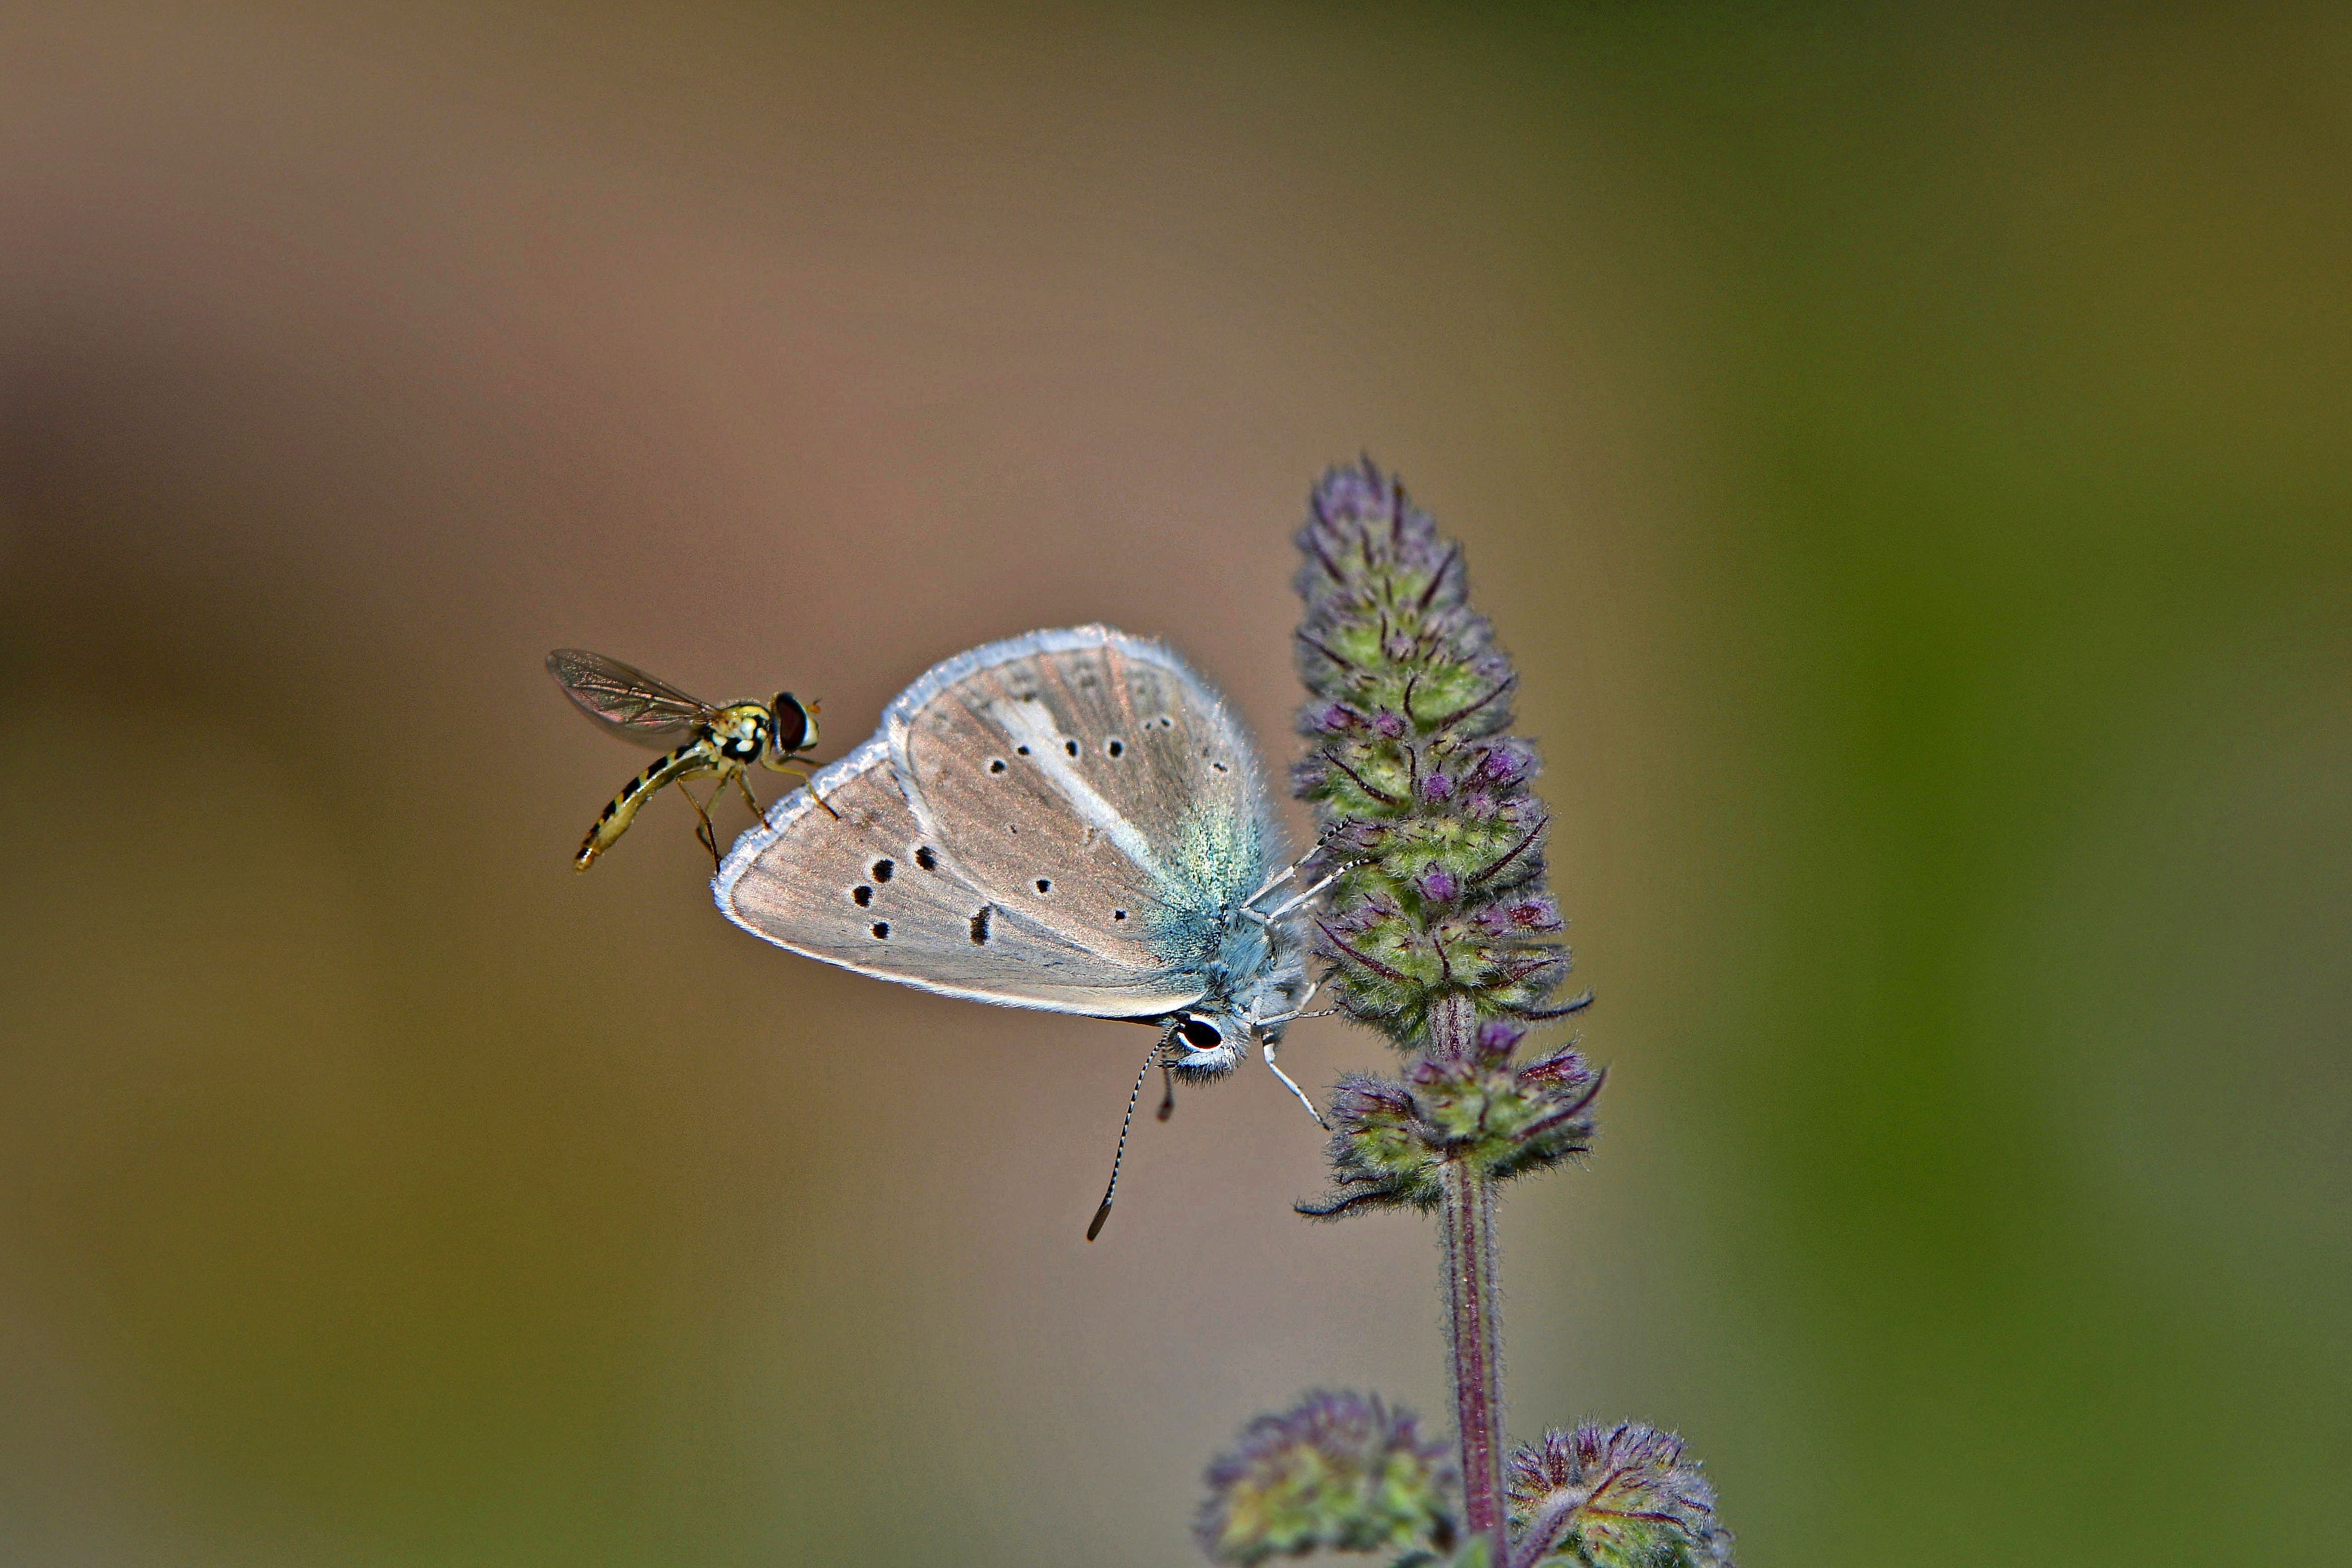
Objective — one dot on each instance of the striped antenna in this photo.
(1103, 1213)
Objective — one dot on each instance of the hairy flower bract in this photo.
(1337, 1472)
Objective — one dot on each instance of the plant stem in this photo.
(1466, 1232)
(1465, 1236)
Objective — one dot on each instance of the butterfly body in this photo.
(1070, 821)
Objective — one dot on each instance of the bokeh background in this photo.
(1909, 453)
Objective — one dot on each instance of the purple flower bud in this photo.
(1479, 806)
(1335, 718)
(1438, 885)
(1390, 725)
(1566, 1068)
(1436, 786)
(1362, 1098)
(1506, 764)
(1352, 493)
(1498, 1038)
(1535, 914)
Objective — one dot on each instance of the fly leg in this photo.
(811, 788)
(748, 798)
(703, 832)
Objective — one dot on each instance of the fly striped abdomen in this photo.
(689, 761)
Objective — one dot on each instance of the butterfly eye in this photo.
(1200, 1034)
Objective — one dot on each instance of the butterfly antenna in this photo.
(1133, 1095)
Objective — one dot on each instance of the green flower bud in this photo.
(1618, 1497)
(1338, 1472)
(1417, 788)
(1390, 1140)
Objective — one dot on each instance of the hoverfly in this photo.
(720, 741)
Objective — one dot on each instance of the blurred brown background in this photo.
(1909, 458)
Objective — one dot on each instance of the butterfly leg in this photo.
(1285, 875)
(1294, 1088)
(1295, 1012)
(1291, 1018)
(1297, 901)
(1278, 879)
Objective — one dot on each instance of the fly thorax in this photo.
(740, 730)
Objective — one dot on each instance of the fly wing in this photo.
(643, 707)
(1091, 780)
(871, 889)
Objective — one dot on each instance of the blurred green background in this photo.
(1909, 453)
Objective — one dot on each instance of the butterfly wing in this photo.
(644, 708)
(871, 889)
(1092, 781)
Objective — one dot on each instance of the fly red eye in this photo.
(792, 725)
(1200, 1034)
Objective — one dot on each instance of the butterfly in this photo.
(1072, 821)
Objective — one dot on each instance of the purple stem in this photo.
(1465, 1236)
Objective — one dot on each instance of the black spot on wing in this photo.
(882, 929)
(924, 858)
(996, 765)
(884, 869)
(1115, 746)
(980, 925)
(861, 895)
(1044, 884)
(1071, 747)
